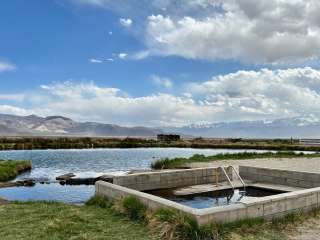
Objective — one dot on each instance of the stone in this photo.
(65, 177)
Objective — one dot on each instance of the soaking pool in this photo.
(215, 198)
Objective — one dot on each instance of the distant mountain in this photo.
(300, 127)
(12, 125)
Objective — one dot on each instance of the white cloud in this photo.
(162, 81)
(126, 22)
(243, 95)
(93, 60)
(274, 31)
(259, 32)
(263, 94)
(110, 59)
(6, 67)
(141, 55)
(122, 55)
(7, 109)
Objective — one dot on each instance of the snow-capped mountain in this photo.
(299, 127)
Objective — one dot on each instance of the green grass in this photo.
(181, 162)
(100, 219)
(11, 169)
(57, 221)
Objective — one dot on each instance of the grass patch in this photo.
(100, 219)
(11, 169)
(58, 221)
(180, 162)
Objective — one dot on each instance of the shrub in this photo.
(98, 201)
(132, 207)
(10, 169)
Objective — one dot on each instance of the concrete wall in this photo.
(265, 207)
(282, 177)
(171, 179)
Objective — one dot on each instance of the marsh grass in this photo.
(181, 162)
(11, 169)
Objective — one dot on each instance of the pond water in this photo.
(48, 164)
(215, 198)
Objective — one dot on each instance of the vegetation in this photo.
(57, 221)
(181, 162)
(169, 224)
(11, 169)
(100, 219)
(17, 143)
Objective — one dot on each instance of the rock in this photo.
(81, 181)
(26, 183)
(106, 178)
(65, 177)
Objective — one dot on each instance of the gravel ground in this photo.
(297, 164)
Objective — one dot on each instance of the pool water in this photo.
(215, 198)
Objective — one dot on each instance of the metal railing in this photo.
(225, 173)
(239, 177)
(228, 178)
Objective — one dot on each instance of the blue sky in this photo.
(159, 62)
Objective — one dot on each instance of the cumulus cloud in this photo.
(243, 95)
(275, 31)
(162, 81)
(263, 94)
(126, 22)
(6, 66)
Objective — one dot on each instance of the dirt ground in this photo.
(295, 164)
(308, 230)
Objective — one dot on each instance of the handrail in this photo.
(238, 175)
(225, 173)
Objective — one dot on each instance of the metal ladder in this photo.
(228, 178)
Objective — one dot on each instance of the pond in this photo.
(48, 164)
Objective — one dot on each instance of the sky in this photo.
(160, 62)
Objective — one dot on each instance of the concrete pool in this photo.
(209, 196)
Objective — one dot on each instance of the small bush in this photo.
(98, 201)
(132, 207)
(11, 169)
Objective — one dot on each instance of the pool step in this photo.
(207, 188)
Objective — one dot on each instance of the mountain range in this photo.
(32, 125)
(298, 127)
